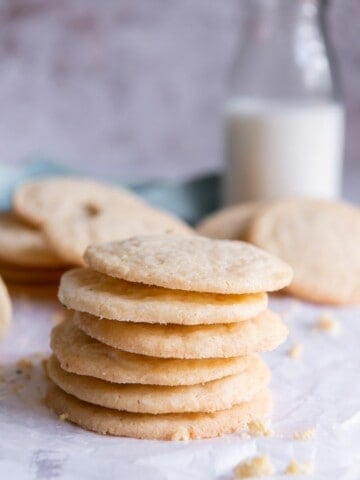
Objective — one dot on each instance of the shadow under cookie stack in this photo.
(162, 336)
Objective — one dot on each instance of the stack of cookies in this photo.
(25, 256)
(162, 336)
(53, 220)
(75, 213)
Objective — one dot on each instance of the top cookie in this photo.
(39, 200)
(191, 263)
(320, 239)
(230, 223)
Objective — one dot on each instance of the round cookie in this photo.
(23, 245)
(40, 200)
(207, 397)
(5, 309)
(70, 234)
(262, 333)
(158, 427)
(88, 291)
(320, 239)
(230, 223)
(78, 353)
(191, 263)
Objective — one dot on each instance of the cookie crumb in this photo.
(254, 467)
(181, 435)
(295, 351)
(64, 416)
(326, 322)
(307, 434)
(257, 428)
(295, 468)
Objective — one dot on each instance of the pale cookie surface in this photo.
(72, 233)
(39, 200)
(92, 292)
(23, 245)
(5, 309)
(262, 333)
(320, 240)
(78, 353)
(157, 427)
(206, 397)
(230, 223)
(191, 263)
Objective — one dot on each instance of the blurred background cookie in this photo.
(69, 235)
(25, 256)
(74, 213)
(23, 245)
(39, 200)
(230, 223)
(320, 239)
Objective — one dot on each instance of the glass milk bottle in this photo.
(284, 116)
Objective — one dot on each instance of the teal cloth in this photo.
(190, 200)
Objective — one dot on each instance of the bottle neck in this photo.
(284, 50)
(271, 20)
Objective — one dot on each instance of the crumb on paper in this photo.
(64, 416)
(254, 467)
(295, 351)
(181, 435)
(295, 468)
(326, 322)
(307, 434)
(58, 317)
(257, 428)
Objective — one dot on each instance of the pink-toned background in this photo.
(133, 88)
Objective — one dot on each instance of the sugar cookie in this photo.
(157, 427)
(320, 239)
(230, 223)
(262, 333)
(69, 235)
(39, 200)
(23, 245)
(191, 263)
(206, 397)
(79, 353)
(92, 292)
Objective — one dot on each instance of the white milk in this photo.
(280, 150)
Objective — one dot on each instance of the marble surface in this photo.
(319, 391)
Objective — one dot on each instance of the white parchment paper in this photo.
(321, 390)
